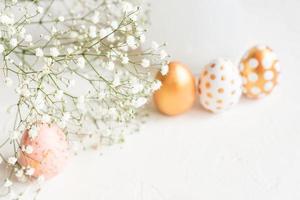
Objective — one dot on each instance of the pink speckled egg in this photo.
(50, 151)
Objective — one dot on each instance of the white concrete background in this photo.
(251, 152)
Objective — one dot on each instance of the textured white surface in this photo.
(250, 152)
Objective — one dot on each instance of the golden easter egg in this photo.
(178, 90)
(260, 70)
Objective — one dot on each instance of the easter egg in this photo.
(259, 69)
(178, 90)
(219, 85)
(50, 150)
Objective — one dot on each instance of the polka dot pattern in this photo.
(260, 71)
(220, 85)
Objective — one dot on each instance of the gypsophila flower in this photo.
(59, 94)
(7, 20)
(110, 66)
(131, 42)
(125, 60)
(154, 46)
(12, 160)
(54, 52)
(33, 132)
(13, 42)
(137, 88)
(1, 48)
(19, 173)
(81, 62)
(155, 85)
(143, 38)
(46, 118)
(40, 10)
(28, 149)
(66, 116)
(70, 50)
(164, 70)
(29, 171)
(163, 54)
(61, 18)
(25, 92)
(139, 102)
(92, 31)
(95, 18)
(46, 50)
(7, 183)
(28, 38)
(39, 52)
(145, 63)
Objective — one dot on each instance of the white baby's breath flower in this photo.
(70, 50)
(136, 88)
(110, 66)
(142, 38)
(7, 20)
(145, 63)
(125, 60)
(39, 52)
(13, 42)
(1, 48)
(139, 102)
(104, 32)
(61, 18)
(155, 46)
(95, 17)
(8, 81)
(58, 95)
(92, 31)
(163, 54)
(54, 52)
(28, 149)
(33, 132)
(25, 92)
(134, 17)
(114, 24)
(131, 42)
(81, 104)
(155, 85)
(66, 117)
(7, 183)
(46, 118)
(19, 173)
(40, 9)
(53, 30)
(12, 160)
(28, 38)
(29, 171)
(39, 101)
(164, 70)
(81, 62)
(71, 83)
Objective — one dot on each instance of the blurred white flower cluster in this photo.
(82, 64)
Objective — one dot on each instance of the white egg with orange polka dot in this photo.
(220, 85)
